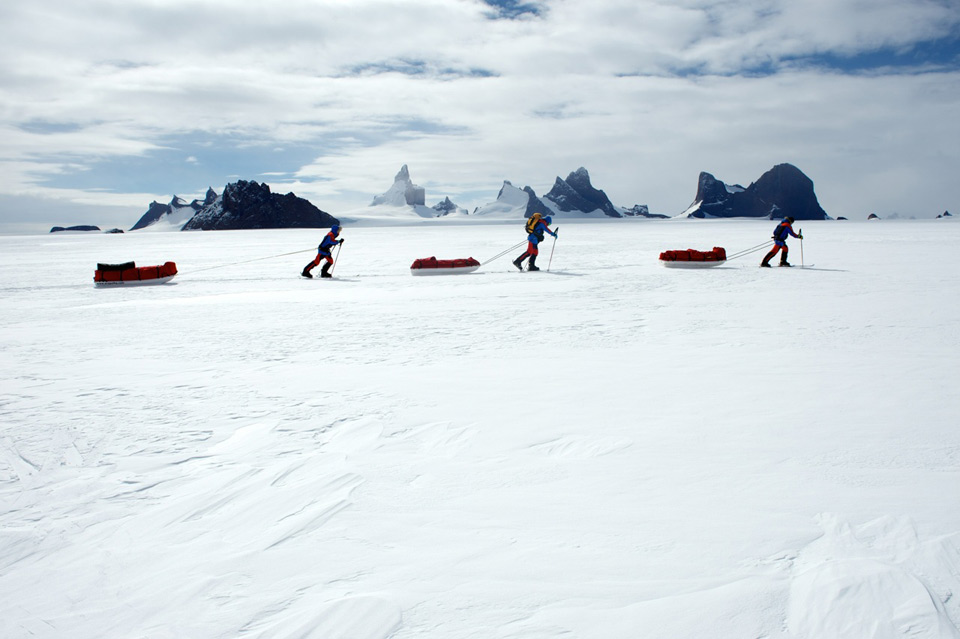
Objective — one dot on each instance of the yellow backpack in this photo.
(533, 221)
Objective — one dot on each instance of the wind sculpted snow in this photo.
(611, 449)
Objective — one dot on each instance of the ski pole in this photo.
(551, 249)
(339, 246)
(801, 248)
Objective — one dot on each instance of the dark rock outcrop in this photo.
(446, 207)
(944, 214)
(642, 210)
(873, 216)
(251, 205)
(782, 191)
(534, 203)
(577, 194)
(208, 199)
(80, 227)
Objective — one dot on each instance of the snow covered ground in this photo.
(609, 450)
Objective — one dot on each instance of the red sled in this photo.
(128, 274)
(691, 258)
(433, 266)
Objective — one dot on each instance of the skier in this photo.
(536, 227)
(780, 234)
(323, 253)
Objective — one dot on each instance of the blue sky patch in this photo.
(418, 68)
(44, 127)
(512, 9)
(940, 54)
(187, 166)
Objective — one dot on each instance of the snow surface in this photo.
(611, 449)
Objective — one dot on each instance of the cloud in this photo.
(108, 97)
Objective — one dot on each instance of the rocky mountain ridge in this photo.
(251, 205)
(781, 191)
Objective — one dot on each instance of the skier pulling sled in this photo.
(780, 235)
(324, 253)
(536, 226)
(691, 258)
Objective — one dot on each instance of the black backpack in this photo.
(780, 233)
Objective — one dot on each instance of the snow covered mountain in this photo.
(514, 203)
(574, 197)
(402, 197)
(403, 192)
(175, 214)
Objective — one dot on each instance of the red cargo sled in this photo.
(433, 266)
(691, 258)
(129, 274)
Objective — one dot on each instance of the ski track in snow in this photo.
(612, 449)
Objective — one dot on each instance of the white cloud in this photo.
(645, 94)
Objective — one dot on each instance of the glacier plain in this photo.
(608, 450)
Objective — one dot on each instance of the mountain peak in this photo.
(251, 205)
(403, 192)
(781, 191)
(576, 193)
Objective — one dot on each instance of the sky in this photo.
(107, 105)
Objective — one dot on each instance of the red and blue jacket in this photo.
(537, 236)
(783, 230)
(328, 242)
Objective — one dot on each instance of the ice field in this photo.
(611, 449)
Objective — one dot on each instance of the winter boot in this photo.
(766, 259)
(325, 271)
(519, 262)
(533, 263)
(783, 261)
(306, 271)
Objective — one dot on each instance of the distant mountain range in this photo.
(572, 197)
(783, 190)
